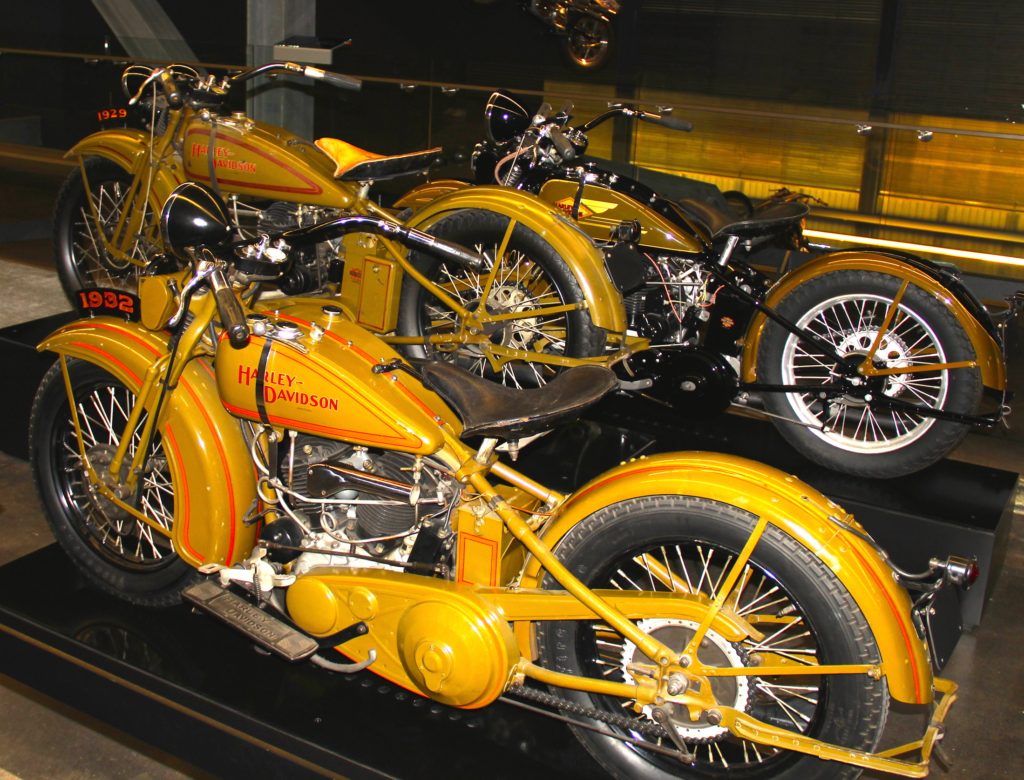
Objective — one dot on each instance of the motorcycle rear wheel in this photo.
(531, 275)
(806, 614)
(79, 255)
(116, 552)
(846, 309)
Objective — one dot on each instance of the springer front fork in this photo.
(118, 482)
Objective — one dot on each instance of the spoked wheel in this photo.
(688, 545)
(529, 278)
(862, 425)
(116, 551)
(81, 257)
(588, 42)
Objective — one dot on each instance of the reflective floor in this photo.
(42, 738)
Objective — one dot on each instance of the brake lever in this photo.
(203, 270)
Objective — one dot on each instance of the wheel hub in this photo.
(100, 457)
(514, 334)
(714, 650)
(892, 352)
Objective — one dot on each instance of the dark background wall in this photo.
(942, 57)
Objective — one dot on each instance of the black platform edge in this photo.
(176, 720)
(190, 686)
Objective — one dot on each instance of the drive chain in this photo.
(647, 728)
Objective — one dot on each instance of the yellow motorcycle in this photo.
(689, 614)
(544, 297)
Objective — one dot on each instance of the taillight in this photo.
(962, 572)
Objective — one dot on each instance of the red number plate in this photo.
(107, 114)
(101, 300)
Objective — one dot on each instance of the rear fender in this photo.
(207, 453)
(586, 261)
(987, 352)
(798, 510)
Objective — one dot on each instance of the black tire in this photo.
(698, 538)
(80, 259)
(115, 552)
(588, 42)
(890, 443)
(531, 269)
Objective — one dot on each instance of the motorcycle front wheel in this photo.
(688, 544)
(530, 276)
(115, 551)
(857, 431)
(80, 255)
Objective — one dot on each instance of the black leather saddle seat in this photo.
(489, 409)
(355, 164)
(767, 219)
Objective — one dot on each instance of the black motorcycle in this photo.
(872, 362)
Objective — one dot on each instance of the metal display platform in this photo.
(186, 684)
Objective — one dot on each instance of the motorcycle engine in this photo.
(311, 267)
(672, 303)
(351, 500)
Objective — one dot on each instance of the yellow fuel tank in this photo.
(312, 371)
(602, 209)
(261, 161)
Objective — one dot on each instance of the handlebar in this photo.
(664, 119)
(326, 231)
(172, 80)
(306, 71)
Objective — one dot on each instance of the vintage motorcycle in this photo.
(585, 26)
(871, 362)
(544, 295)
(690, 614)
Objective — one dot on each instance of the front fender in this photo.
(604, 302)
(797, 509)
(209, 460)
(986, 350)
(126, 148)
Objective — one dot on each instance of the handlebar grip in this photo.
(335, 79)
(171, 89)
(562, 144)
(665, 120)
(231, 315)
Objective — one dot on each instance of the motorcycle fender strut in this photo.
(585, 260)
(125, 147)
(797, 509)
(204, 446)
(987, 352)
